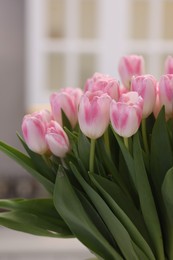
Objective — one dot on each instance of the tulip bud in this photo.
(169, 65)
(57, 139)
(34, 130)
(166, 94)
(146, 87)
(66, 99)
(93, 115)
(126, 114)
(129, 66)
(157, 106)
(104, 83)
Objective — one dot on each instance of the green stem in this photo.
(92, 153)
(144, 135)
(126, 142)
(47, 161)
(107, 142)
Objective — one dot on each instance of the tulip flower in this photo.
(57, 139)
(129, 66)
(67, 100)
(93, 115)
(166, 94)
(157, 106)
(104, 83)
(34, 129)
(169, 65)
(126, 114)
(146, 87)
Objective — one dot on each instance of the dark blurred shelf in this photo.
(20, 187)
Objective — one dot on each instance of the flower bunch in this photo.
(105, 155)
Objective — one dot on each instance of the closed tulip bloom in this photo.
(67, 100)
(104, 83)
(93, 115)
(126, 114)
(34, 129)
(166, 93)
(157, 106)
(169, 65)
(57, 139)
(146, 87)
(43, 115)
(131, 65)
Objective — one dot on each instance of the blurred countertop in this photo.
(20, 246)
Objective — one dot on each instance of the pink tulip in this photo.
(157, 106)
(34, 130)
(126, 114)
(57, 139)
(166, 94)
(66, 99)
(129, 66)
(104, 83)
(169, 65)
(93, 115)
(146, 87)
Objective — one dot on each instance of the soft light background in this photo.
(48, 44)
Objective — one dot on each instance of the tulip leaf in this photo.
(147, 203)
(161, 153)
(41, 211)
(96, 219)
(39, 162)
(84, 149)
(141, 244)
(65, 121)
(115, 227)
(110, 167)
(27, 164)
(167, 193)
(30, 223)
(167, 190)
(74, 214)
(107, 161)
(128, 159)
(99, 168)
(125, 203)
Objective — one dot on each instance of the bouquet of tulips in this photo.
(105, 156)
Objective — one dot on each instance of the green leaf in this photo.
(84, 149)
(96, 219)
(41, 206)
(39, 162)
(141, 246)
(108, 164)
(124, 172)
(107, 161)
(147, 203)
(167, 193)
(65, 121)
(28, 223)
(125, 203)
(116, 228)
(42, 209)
(72, 211)
(161, 153)
(128, 159)
(27, 164)
(99, 168)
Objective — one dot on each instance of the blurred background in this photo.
(49, 44)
